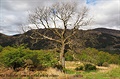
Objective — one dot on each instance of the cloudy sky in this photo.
(14, 13)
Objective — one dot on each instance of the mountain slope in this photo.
(109, 31)
(100, 38)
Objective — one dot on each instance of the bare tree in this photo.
(59, 18)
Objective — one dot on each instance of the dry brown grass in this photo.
(72, 64)
(51, 73)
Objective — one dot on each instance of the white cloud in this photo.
(14, 13)
(107, 13)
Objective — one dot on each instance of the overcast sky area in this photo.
(14, 13)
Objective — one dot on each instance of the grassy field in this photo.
(111, 72)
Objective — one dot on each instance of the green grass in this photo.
(113, 74)
(96, 74)
(69, 71)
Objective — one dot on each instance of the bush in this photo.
(105, 64)
(31, 55)
(12, 57)
(98, 57)
(47, 58)
(1, 48)
(79, 68)
(99, 63)
(103, 57)
(89, 67)
(68, 56)
(115, 59)
(86, 67)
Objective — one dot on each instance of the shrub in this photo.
(86, 67)
(12, 57)
(99, 63)
(115, 59)
(15, 56)
(105, 64)
(89, 67)
(31, 55)
(79, 68)
(47, 58)
(98, 57)
(1, 48)
(103, 57)
(68, 56)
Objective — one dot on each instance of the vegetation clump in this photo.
(89, 67)
(79, 68)
(12, 57)
(68, 57)
(19, 57)
(86, 67)
(105, 64)
(1, 48)
(97, 57)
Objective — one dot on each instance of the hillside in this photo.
(99, 38)
(109, 31)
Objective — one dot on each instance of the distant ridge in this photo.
(108, 31)
(100, 38)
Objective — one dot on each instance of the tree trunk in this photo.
(62, 56)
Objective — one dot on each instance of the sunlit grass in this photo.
(112, 74)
